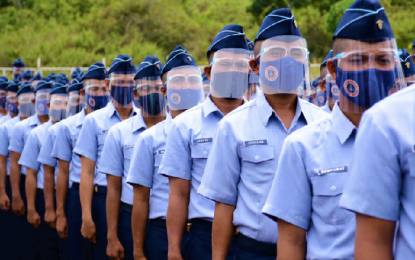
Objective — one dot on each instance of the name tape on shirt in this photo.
(160, 152)
(413, 148)
(104, 132)
(127, 146)
(333, 170)
(202, 140)
(256, 142)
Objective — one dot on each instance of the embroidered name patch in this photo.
(256, 142)
(413, 148)
(202, 140)
(333, 170)
(104, 132)
(127, 146)
(160, 152)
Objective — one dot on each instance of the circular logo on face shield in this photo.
(321, 99)
(175, 98)
(271, 73)
(351, 88)
(10, 107)
(91, 102)
(41, 107)
(335, 90)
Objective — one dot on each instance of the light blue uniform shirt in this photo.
(306, 191)
(382, 175)
(45, 155)
(20, 132)
(327, 108)
(32, 149)
(4, 119)
(92, 136)
(65, 142)
(118, 152)
(147, 156)
(5, 136)
(187, 149)
(244, 159)
(257, 93)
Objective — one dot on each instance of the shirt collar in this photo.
(209, 107)
(138, 123)
(112, 111)
(81, 118)
(167, 123)
(341, 124)
(34, 120)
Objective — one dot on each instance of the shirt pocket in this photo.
(200, 151)
(101, 139)
(259, 160)
(411, 164)
(157, 160)
(128, 156)
(327, 191)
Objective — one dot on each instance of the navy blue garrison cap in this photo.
(76, 84)
(62, 77)
(77, 72)
(328, 57)
(28, 74)
(315, 82)
(231, 36)
(178, 57)
(96, 71)
(279, 22)
(3, 83)
(204, 77)
(250, 44)
(25, 88)
(59, 88)
(413, 44)
(13, 86)
(407, 63)
(19, 63)
(150, 67)
(44, 84)
(37, 76)
(4, 78)
(122, 64)
(51, 77)
(365, 20)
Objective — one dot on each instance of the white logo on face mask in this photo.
(351, 88)
(271, 73)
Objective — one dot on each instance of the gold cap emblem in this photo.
(407, 64)
(158, 66)
(295, 24)
(380, 24)
(189, 58)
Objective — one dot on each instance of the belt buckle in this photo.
(96, 189)
(188, 226)
(236, 231)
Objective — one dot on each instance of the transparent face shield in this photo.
(97, 95)
(42, 101)
(321, 97)
(284, 66)
(367, 72)
(206, 87)
(229, 73)
(17, 71)
(58, 104)
(332, 89)
(253, 84)
(11, 103)
(26, 106)
(184, 88)
(122, 89)
(3, 99)
(76, 102)
(150, 97)
(34, 84)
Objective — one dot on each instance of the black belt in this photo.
(39, 190)
(158, 222)
(100, 189)
(75, 185)
(200, 223)
(258, 246)
(127, 207)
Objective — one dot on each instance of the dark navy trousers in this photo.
(250, 249)
(99, 216)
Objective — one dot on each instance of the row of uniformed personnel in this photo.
(186, 176)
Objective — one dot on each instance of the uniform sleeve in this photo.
(31, 152)
(290, 196)
(62, 148)
(45, 156)
(17, 139)
(177, 161)
(142, 164)
(87, 144)
(112, 157)
(4, 141)
(222, 172)
(374, 185)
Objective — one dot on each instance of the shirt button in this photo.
(205, 153)
(257, 157)
(333, 188)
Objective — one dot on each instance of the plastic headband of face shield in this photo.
(284, 66)
(229, 73)
(97, 95)
(150, 96)
(42, 99)
(58, 104)
(26, 106)
(367, 72)
(122, 88)
(76, 103)
(184, 88)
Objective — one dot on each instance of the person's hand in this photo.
(18, 206)
(89, 230)
(62, 226)
(115, 250)
(33, 218)
(4, 202)
(50, 218)
(174, 255)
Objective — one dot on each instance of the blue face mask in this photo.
(57, 114)
(321, 98)
(180, 99)
(96, 102)
(136, 103)
(27, 109)
(16, 76)
(332, 90)
(366, 87)
(73, 110)
(122, 95)
(3, 103)
(41, 107)
(311, 100)
(153, 103)
(285, 74)
(230, 84)
(12, 108)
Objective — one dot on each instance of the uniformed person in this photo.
(328, 84)
(408, 67)
(321, 97)
(26, 76)
(206, 84)
(4, 114)
(75, 74)
(315, 161)
(18, 67)
(91, 88)
(51, 77)
(151, 189)
(28, 237)
(93, 186)
(10, 222)
(413, 50)
(245, 151)
(253, 79)
(190, 137)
